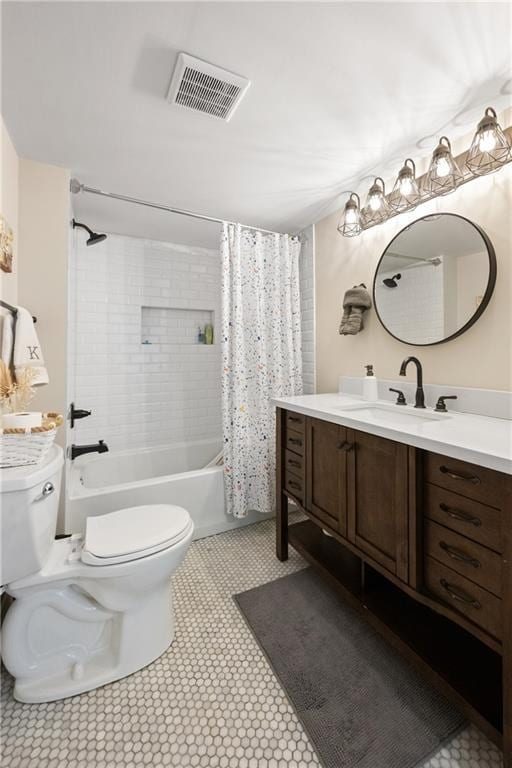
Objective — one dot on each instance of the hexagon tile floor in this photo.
(211, 700)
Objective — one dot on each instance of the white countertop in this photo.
(480, 440)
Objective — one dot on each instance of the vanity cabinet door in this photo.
(378, 500)
(326, 471)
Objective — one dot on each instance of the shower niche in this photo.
(174, 325)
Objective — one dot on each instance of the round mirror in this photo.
(434, 279)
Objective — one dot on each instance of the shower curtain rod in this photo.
(76, 187)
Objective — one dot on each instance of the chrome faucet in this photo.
(78, 450)
(420, 395)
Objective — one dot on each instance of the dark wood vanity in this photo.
(420, 544)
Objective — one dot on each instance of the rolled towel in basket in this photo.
(355, 302)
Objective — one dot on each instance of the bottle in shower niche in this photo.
(200, 336)
(370, 385)
(208, 334)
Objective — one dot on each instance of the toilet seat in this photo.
(133, 533)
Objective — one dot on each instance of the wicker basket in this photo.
(19, 447)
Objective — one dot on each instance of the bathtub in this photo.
(173, 474)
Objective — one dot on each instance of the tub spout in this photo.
(79, 450)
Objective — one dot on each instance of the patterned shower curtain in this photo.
(261, 358)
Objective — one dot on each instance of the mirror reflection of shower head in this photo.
(94, 237)
(391, 282)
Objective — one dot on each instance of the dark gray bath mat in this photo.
(362, 705)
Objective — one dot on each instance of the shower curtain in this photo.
(261, 358)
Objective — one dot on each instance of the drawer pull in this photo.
(455, 554)
(459, 475)
(293, 484)
(294, 418)
(457, 594)
(295, 441)
(294, 463)
(458, 514)
(345, 446)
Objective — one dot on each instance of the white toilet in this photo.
(89, 609)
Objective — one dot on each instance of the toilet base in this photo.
(91, 653)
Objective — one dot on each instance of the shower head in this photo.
(94, 237)
(391, 282)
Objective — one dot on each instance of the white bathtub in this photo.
(172, 474)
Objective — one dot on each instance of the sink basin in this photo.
(391, 414)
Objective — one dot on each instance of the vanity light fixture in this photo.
(405, 195)
(350, 223)
(376, 208)
(490, 148)
(444, 175)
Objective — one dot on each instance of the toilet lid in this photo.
(134, 532)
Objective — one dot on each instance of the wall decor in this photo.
(490, 150)
(6, 245)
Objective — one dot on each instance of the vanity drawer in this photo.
(475, 482)
(295, 485)
(294, 463)
(466, 516)
(295, 422)
(476, 563)
(478, 605)
(295, 442)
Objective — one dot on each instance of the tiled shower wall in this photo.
(415, 308)
(126, 291)
(144, 395)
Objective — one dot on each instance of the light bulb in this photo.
(442, 167)
(487, 141)
(405, 186)
(350, 215)
(375, 202)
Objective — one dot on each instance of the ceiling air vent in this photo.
(206, 88)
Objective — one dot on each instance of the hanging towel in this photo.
(6, 337)
(355, 302)
(27, 349)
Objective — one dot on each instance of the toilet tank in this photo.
(29, 503)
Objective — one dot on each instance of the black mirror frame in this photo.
(488, 291)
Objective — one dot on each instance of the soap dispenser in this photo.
(370, 385)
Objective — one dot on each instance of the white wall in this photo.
(472, 273)
(307, 308)
(9, 184)
(43, 272)
(144, 395)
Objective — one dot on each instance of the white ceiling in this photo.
(339, 91)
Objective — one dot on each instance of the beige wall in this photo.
(9, 208)
(479, 358)
(43, 271)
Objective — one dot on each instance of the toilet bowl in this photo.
(88, 609)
